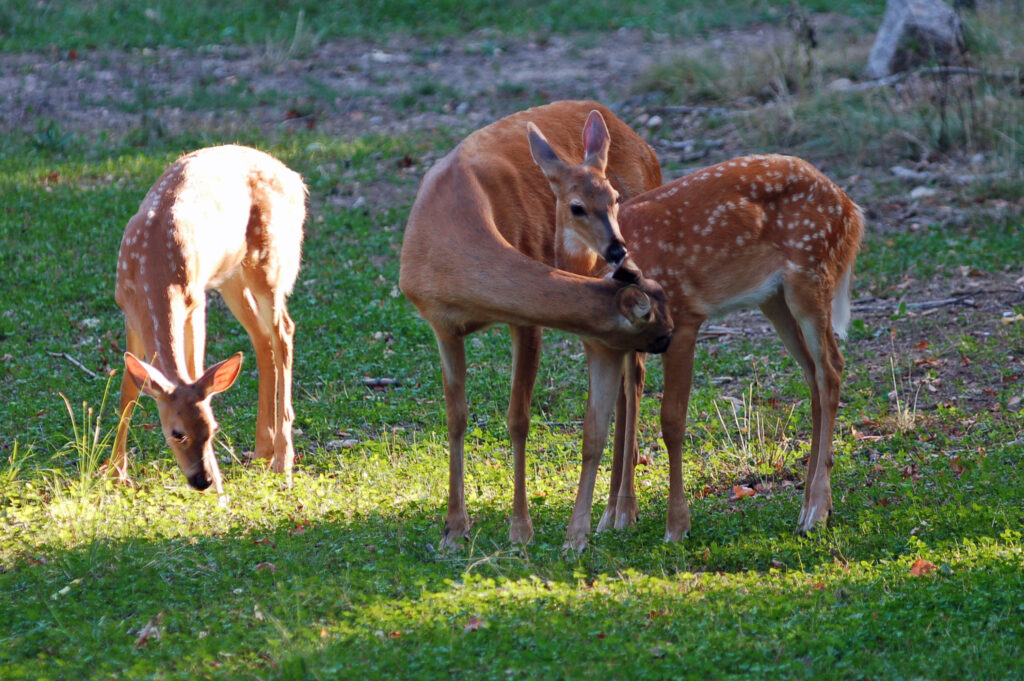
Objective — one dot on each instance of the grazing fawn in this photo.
(227, 218)
(768, 231)
(480, 249)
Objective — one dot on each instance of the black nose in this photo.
(199, 480)
(660, 344)
(615, 253)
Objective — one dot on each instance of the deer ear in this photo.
(634, 305)
(147, 377)
(543, 155)
(596, 141)
(221, 375)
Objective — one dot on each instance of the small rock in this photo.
(654, 122)
(922, 193)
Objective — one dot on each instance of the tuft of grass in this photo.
(757, 442)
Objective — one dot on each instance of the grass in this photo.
(290, 26)
(338, 574)
(784, 93)
(338, 577)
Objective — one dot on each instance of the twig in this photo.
(379, 382)
(684, 109)
(922, 305)
(933, 71)
(73, 361)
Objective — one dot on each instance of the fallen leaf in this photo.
(395, 634)
(921, 346)
(473, 624)
(264, 540)
(260, 567)
(1010, 318)
(910, 471)
(922, 567)
(150, 631)
(957, 467)
(740, 491)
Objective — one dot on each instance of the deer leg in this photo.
(678, 363)
(626, 507)
(195, 339)
(618, 451)
(526, 342)
(811, 308)
(786, 325)
(118, 464)
(284, 348)
(605, 368)
(242, 303)
(453, 368)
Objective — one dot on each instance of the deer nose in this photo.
(660, 344)
(199, 480)
(616, 253)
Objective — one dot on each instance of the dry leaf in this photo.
(922, 567)
(473, 624)
(150, 631)
(260, 567)
(740, 491)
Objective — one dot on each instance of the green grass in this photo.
(338, 577)
(292, 27)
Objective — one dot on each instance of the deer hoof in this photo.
(520, 532)
(607, 519)
(575, 544)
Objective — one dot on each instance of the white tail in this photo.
(841, 300)
(479, 249)
(228, 218)
(768, 231)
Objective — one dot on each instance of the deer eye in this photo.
(178, 436)
(577, 209)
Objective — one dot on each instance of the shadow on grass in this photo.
(366, 596)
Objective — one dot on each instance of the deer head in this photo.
(586, 212)
(186, 416)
